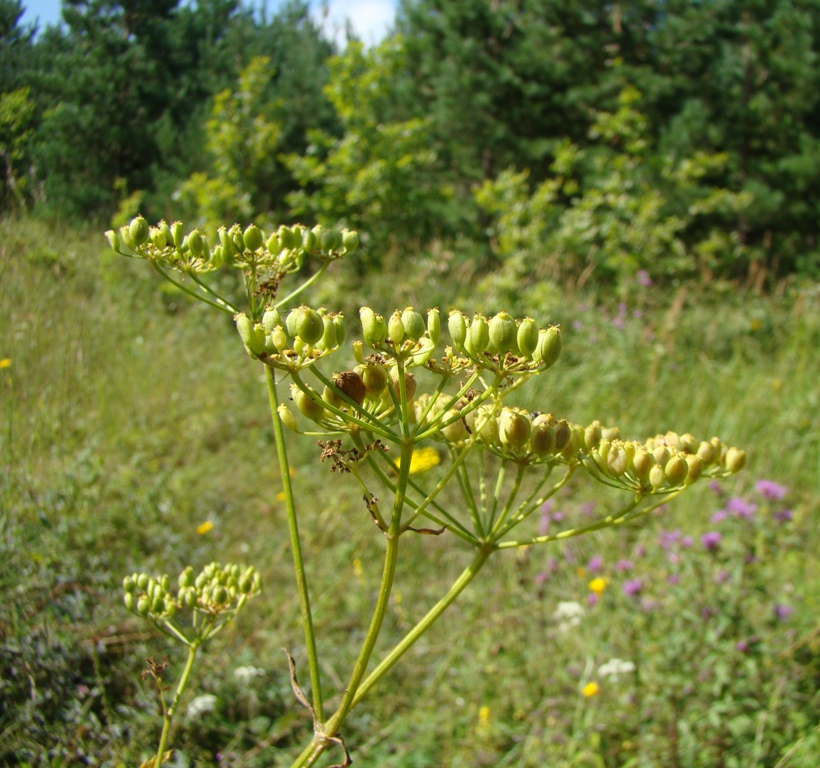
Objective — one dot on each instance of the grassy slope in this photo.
(130, 417)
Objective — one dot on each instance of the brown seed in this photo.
(351, 384)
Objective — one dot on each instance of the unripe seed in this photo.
(661, 454)
(128, 584)
(413, 323)
(307, 406)
(457, 326)
(592, 436)
(706, 452)
(695, 464)
(253, 238)
(289, 238)
(158, 238)
(395, 328)
(350, 240)
(220, 595)
(166, 231)
(434, 325)
(288, 419)
(270, 319)
(139, 230)
(549, 346)
(328, 340)
(642, 464)
(196, 243)
(375, 379)
(563, 433)
(478, 337)
(186, 578)
(409, 384)
(656, 476)
(688, 443)
(331, 240)
(158, 605)
(514, 428)
(527, 337)
(143, 581)
(143, 606)
(611, 433)
(735, 459)
(455, 431)
(503, 333)
(542, 439)
(130, 601)
(617, 460)
(309, 326)
(676, 469)
(374, 329)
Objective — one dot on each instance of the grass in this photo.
(130, 417)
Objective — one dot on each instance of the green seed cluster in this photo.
(303, 337)
(662, 464)
(280, 251)
(217, 590)
(406, 335)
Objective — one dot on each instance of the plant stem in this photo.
(296, 547)
(469, 573)
(168, 714)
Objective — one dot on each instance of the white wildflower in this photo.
(615, 668)
(246, 674)
(568, 614)
(201, 705)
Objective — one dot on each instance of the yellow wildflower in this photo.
(483, 720)
(423, 459)
(590, 689)
(5, 362)
(597, 585)
(203, 528)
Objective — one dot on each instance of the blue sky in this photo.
(371, 18)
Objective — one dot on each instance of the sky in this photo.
(371, 18)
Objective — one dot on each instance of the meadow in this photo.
(135, 435)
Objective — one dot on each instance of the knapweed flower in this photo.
(246, 674)
(633, 587)
(201, 705)
(590, 689)
(741, 507)
(771, 490)
(782, 612)
(597, 585)
(783, 516)
(719, 516)
(595, 564)
(711, 540)
(643, 278)
(616, 668)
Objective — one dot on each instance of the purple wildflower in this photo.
(633, 587)
(623, 565)
(783, 516)
(644, 280)
(771, 490)
(640, 550)
(686, 541)
(673, 578)
(592, 600)
(716, 488)
(723, 577)
(720, 516)
(595, 564)
(782, 612)
(742, 646)
(668, 539)
(711, 540)
(741, 507)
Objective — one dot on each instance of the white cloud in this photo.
(371, 19)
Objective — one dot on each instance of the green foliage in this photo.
(16, 124)
(380, 176)
(616, 208)
(243, 134)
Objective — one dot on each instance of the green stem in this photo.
(168, 714)
(322, 740)
(296, 547)
(424, 624)
(198, 296)
(296, 291)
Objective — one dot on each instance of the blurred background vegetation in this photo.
(643, 173)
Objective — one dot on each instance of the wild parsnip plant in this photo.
(378, 421)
